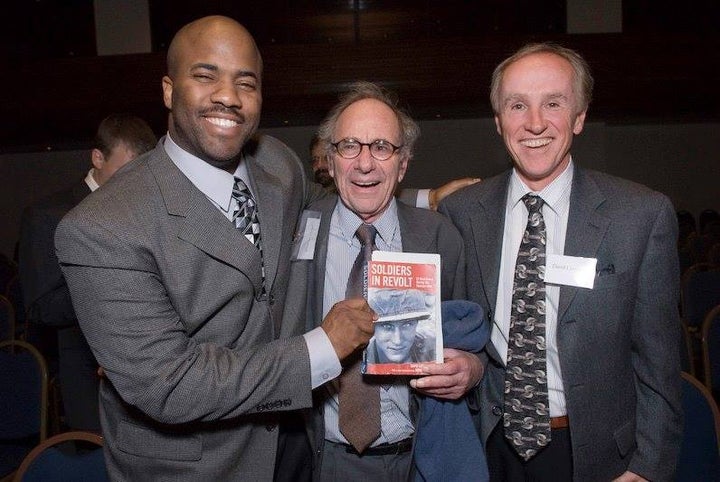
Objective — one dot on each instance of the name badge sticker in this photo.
(306, 237)
(570, 270)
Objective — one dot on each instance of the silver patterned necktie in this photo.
(246, 218)
(359, 402)
(527, 413)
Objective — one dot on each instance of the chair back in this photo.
(23, 402)
(700, 292)
(710, 343)
(7, 319)
(700, 449)
(56, 460)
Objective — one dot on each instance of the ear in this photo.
(330, 165)
(497, 125)
(579, 122)
(403, 168)
(167, 86)
(98, 159)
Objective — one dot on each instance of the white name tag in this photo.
(570, 270)
(306, 237)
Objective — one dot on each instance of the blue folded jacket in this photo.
(447, 446)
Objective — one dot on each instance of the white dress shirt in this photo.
(555, 211)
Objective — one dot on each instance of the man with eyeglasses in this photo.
(369, 143)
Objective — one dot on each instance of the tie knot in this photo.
(533, 202)
(366, 234)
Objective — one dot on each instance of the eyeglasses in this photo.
(380, 149)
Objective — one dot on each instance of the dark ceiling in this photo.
(438, 56)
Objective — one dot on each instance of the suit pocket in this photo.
(610, 281)
(143, 442)
(625, 438)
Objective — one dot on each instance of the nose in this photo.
(226, 94)
(396, 338)
(365, 161)
(535, 121)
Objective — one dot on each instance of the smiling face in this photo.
(538, 116)
(394, 340)
(364, 184)
(213, 90)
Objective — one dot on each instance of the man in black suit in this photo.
(119, 139)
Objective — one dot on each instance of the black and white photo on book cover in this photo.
(404, 290)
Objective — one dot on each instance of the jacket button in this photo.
(270, 428)
(497, 410)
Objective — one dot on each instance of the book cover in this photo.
(404, 290)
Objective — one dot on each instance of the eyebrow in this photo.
(214, 68)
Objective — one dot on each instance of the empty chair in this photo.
(23, 402)
(710, 342)
(65, 458)
(699, 458)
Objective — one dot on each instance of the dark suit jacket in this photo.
(47, 299)
(45, 292)
(619, 342)
(421, 230)
(168, 294)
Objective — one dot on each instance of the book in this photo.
(404, 290)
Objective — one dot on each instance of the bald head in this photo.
(213, 89)
(201, 30)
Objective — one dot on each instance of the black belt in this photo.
(397, 448)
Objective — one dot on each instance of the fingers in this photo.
(349, 326)
(459, 373)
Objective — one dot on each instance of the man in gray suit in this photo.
(120, 138)
(180, 295)
(369, 142)
(611, 280)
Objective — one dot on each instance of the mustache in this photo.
(225, 111)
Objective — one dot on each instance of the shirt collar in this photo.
(215, 183)
(386, 225)
(90, 180)
(554, 194)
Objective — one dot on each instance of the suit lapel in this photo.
(317, 282)
(202, 224)
(271, 214)
(586, 228)
(487, 220)
(414, 233)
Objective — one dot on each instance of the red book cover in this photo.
(404, 290)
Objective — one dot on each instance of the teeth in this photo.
(222, 122)
(536, 142)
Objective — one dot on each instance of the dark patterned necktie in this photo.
(359, 402)
(527, 415)
(245, 217)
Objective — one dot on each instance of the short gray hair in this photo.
(409, 129)
(582, 79)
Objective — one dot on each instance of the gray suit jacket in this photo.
(619, 342)
(168, 294)
(422, 231)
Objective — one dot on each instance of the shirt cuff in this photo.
(324, 363)
(423, 199)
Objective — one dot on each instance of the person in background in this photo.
(579, 272)
(319, 164)
(120, 138)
